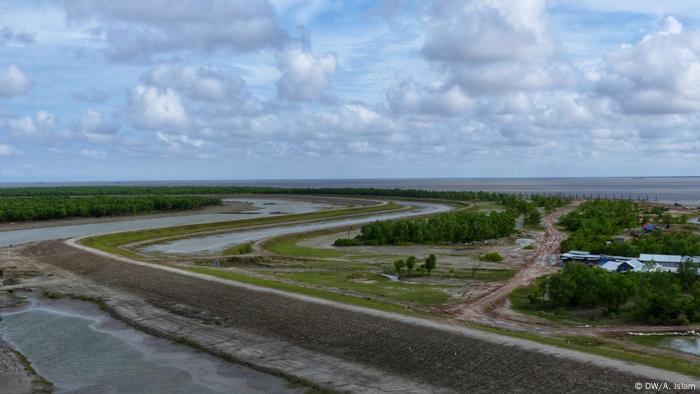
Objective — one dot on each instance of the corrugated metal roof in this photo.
(661, 258)
(611, 265)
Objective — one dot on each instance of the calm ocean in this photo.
(684, 190)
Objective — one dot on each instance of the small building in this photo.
(580, 256)
(662, 258)
(611, 266)
(633, 265)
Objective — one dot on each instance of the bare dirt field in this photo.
(447, 360)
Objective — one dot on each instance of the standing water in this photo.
(82, 350)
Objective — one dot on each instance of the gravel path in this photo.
(448, 358)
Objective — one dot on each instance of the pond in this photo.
(80, 349)
(686, 344)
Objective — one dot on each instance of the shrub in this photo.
(491, 256)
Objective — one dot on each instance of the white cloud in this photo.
(13, 82)
(28, 126)
(7, 150)
(137, 29)
(152, 108)
(410, 97)
(658, 75)
(491, 45)
(305, 77)
(93, 122)
(179, 141)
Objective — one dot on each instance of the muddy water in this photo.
(218, 243)
(264, 207)
(82, 350)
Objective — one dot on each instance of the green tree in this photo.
(398, 266)
(688, 274)
(410, 264)
(430, 263)
(615, 290)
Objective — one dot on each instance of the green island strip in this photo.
(113, 243)
(288, 245)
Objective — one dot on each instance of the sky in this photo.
(101, 90)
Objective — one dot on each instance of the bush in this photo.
(492, 256)
(347, 242)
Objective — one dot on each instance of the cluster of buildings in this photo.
(643, 263)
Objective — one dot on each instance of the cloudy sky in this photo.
(229, 89)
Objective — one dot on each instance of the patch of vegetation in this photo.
(15, 209)
(492, 257)
(450, 227)
(312, 292)
(51, 295)
(653, 297)
(100, 302)
(245, 248)
(27, 365)
(410, 263)
(594, 223)
(529, 247)
(374, 284)
(288, 245)
(503, 199)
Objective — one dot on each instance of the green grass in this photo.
(245, 248)
(605, 348)
(646, 340)
(312, 292)
(113, 243)
(491, 256)
(51, 295)
(288, 245)
(373, 284)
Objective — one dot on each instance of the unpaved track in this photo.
(482, 309)
(447, 358)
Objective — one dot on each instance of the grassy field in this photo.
(288, 246)
(113, 243)
(313, 292)
(372, 283)
(239, 249)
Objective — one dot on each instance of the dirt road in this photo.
(543, 262)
